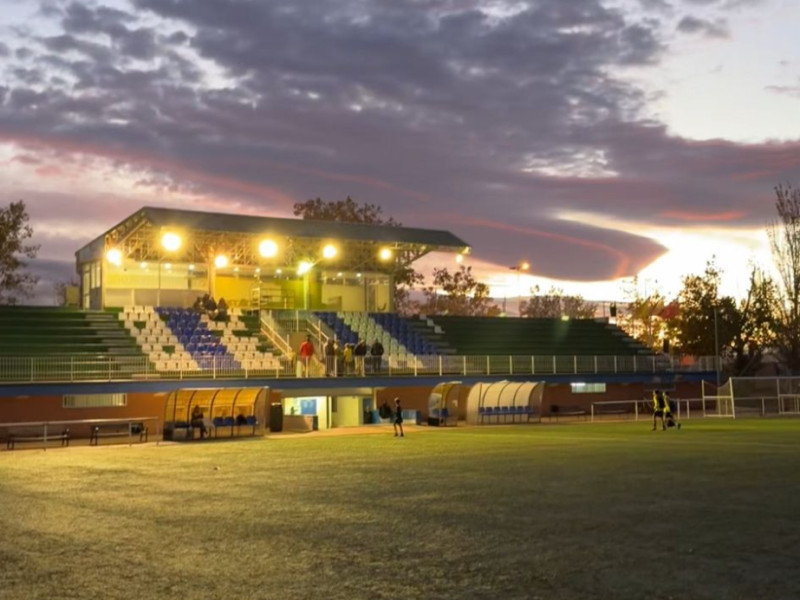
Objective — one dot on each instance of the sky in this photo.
(596, 139)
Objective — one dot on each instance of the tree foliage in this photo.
(461, 294)
(555, 304)
(784, 237)
(345, 211)
(404, 277)
(713, 325)
(14, 249)
(646, 316)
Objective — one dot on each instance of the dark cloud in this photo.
(656, 5)
(710, 29)
(502, 129)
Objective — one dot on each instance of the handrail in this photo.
(270, 330)
(52, 369)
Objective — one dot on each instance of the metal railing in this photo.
(114, 368)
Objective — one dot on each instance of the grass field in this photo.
(549, 512)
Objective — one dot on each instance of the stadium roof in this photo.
(168, 217)
(138, 230)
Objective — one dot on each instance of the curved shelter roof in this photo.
(503, 394)
(138, 236)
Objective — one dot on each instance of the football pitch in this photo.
(568, 511)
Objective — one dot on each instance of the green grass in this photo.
(550, 512)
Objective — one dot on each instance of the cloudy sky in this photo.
(597, 139)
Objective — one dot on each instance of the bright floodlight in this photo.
(221, 261)
(268, 248)
(525, 266)
(459, 258)
(329, 251)
(385, 253)
(304, 267)
(171, 241)
(114, 256)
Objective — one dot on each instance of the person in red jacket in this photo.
(306, 353)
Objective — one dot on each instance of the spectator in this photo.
(348, 359)
(306, 354)
(210, 305)
(222, 310)
(330, 358)
(360, 352)
(198, 421)
(198, 306)
(377, 356)
(241, 418)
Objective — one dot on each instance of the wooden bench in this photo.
(109, 430)
(36, 435)
(566, 411)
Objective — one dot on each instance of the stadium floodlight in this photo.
(304, 267)
(191, 267)
(171, 241)
(221, 261)
(143, 265)
(459, 258)
(114, 256)
(385, 254)
(329, 251)
(268, 249)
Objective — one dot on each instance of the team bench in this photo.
(110, 430)
(35, 435)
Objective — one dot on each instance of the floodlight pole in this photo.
(716, 344)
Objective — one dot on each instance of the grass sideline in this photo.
(536, 512)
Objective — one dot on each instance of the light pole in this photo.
(716, 343)
(522, 266)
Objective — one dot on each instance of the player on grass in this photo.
(660, 409)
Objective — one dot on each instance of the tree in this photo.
(404, 277)
(647, 316)
(554, 304)
(345, 211)
(784, 238)
(712, 325)
(14, 231)
(462, 295)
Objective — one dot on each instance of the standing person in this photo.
(377, 356)
(398, 418)
(660, 409)
(306, 354)
(360, 352)
(348, 358)
(330, 357)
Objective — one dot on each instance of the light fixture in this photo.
(171, 241)
(525, 266)
(143, 265)
(235, 269)
(304, 267)
(339, 274)
(358, 274)
(459, 258)
(278, 271)
(221, 261)
(168, 266)
(114, 256)
(329, 251)
(268, 248)
(258, 269)
(385, 253)
(191, 267)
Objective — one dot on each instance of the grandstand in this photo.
(447, 335)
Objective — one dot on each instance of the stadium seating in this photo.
(97, 338)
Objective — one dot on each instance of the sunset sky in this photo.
(596, 139)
